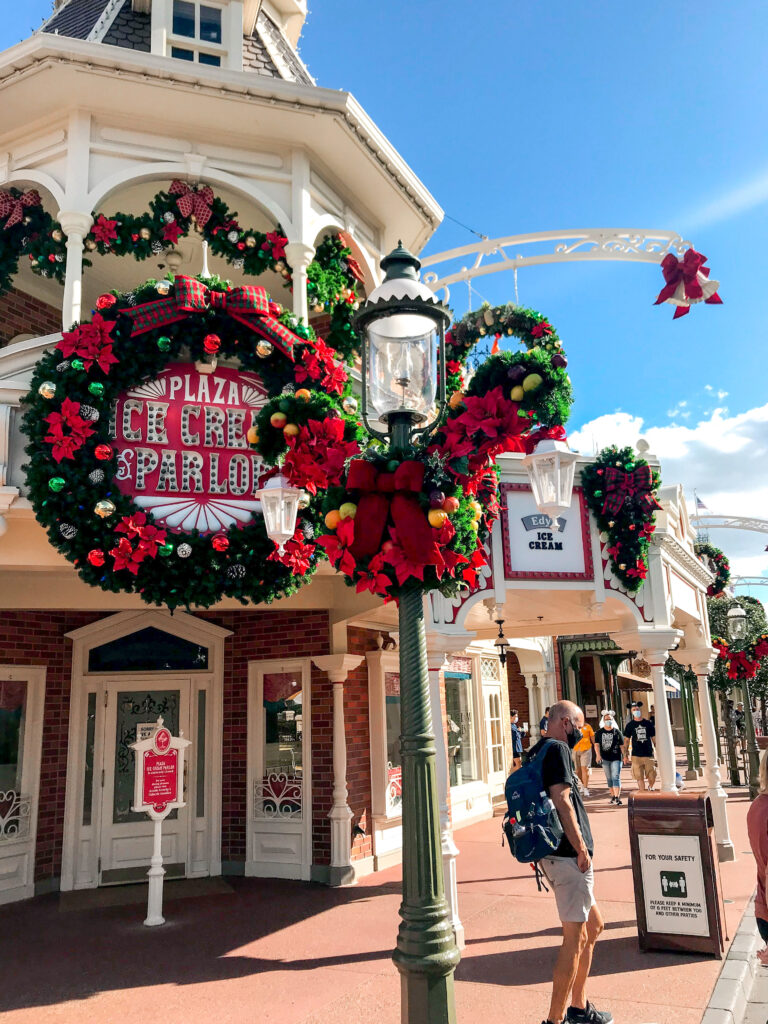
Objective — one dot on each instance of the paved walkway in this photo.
(237, 951)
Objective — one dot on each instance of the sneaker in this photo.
(618, 801)
(762, 957)
(588, 1016)
(613, 799)
(585, 792)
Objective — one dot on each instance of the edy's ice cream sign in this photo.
(182, 448)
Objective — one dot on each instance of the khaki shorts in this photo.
(644, 767)
(583, 758)
(574, 890)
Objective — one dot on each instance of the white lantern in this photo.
(737, 623)
(550, 472)
(280, 505)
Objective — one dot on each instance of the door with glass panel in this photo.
(131, 712)
(278, 752)
(494, 725)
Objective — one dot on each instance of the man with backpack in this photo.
(569, 869)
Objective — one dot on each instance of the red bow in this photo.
(396, 493)
(13, 207)
(621, 486)
(248, 304)
(193, 201)
(685, 271)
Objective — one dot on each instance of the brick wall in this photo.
(558, 669)
(21, 314)
(357, 727)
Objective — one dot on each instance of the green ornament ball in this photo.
(164, 343)
(57, 483)
(629, 466)
(165, 549)
(392, 465)
(285, 405)
(598, 494)
(78, 364)
(96, 389)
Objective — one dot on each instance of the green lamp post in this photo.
(737, 631)
(402, 332)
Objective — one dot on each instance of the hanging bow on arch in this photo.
(249, 304)
(13, 207)
(620, 486)
(193, 201)
(687, 282)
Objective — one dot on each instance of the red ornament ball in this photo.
(96, 557)
(211, 343)
(105, 301)
(51, 257)
(220, 542)
(103, 452)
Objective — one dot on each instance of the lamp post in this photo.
(737, 631)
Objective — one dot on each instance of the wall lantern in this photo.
(550, 468)
(280, 505)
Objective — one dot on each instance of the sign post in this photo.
(674, 864)
(158, 790)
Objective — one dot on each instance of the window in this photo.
(494, 729)
(199, 25)
(148, 650)
(462, 758)
(394, 761)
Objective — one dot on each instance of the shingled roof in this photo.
(265, 52)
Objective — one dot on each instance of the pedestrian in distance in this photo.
(582, 757)
(609, 746)
(569, 872)
(517, 741)
(544, 722)
(639, 734)
(757, 829)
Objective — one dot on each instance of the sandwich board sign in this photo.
(159, 788)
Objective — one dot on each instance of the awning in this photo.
(627, 681)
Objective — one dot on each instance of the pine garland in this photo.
(718, 563)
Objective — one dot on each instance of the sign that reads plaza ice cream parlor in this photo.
(534, 548)
(182, 448)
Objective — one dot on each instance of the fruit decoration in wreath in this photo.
(142, 441)
(742, 663)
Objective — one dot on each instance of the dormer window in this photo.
(196, 33)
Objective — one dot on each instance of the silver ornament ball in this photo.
(96, 476)
(184, 550)
(236, 571)
(349, 405)
(67, 531)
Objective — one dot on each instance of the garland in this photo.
(332, 277)
(717, 562)
(621, 491)
(744, 662)
(115, 544)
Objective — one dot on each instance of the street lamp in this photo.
(402, 333)
(550, 469)
(737, 630)
(501, 644)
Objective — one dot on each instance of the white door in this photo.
(495, 737)
(125, 844)
(279, 802)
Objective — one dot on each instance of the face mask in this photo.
(637, 713)
(608, 723)
(572, 738)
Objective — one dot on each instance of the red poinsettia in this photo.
(91, 342)
(149, 535)
(375, 579)
(337, 546)
(540, 329)
(275, 243)
(476, 563)
(67, 430)
(104, 230)
(171, 232)
(640, 570)
(489, 424)
(614, 551)
(297, 555)
(318, 365)
(316, 456)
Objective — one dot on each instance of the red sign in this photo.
(182, 448)
(162, 740)
(160, 778)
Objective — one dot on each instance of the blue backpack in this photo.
(532, 825)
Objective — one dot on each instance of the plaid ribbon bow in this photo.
(248, 304)
(13, 207)
(621, 486)
(195, 201)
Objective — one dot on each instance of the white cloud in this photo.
(723, 457)
(731, 203)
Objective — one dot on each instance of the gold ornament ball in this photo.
(264, 349)
(622, 566)
(47, 389)
(349, 405)
(250, 242)
(163, 287)
(145, 233)
(104, 508)
(318, 307)
(90, 245)
(56, 235)
(611, 524)
(304, 499)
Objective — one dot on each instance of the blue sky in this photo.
(523, 116)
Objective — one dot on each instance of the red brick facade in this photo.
(21, 314)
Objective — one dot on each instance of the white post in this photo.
(534, 712)
(435, 662)
(715, 791)
(338, 667)
(156, 874)
(299, 256)
(75, 226)
(665, 744)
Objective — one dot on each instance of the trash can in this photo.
(675, 871)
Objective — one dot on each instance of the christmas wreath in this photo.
(621, 492)
(73, 474)
(744, 662)
(332, 277)
(716, 561)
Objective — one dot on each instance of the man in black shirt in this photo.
(640, 733)
(569, 872)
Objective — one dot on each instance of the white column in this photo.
(299, 256)
(338, 667)
(665, 744)
(75, 226)
(715, 791)
(435, 662)
(534, 712)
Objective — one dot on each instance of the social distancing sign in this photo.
(673, 885)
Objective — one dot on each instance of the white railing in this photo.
(278, 797)
(15, 814)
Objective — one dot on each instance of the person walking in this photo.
(757, 830)
(517, 741)
(544, 722)
(639, 735)
(608, 752)
(569, 872)
(582, 757)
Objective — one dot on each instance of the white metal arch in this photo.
(749, 581)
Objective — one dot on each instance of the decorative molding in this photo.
(679, 554)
